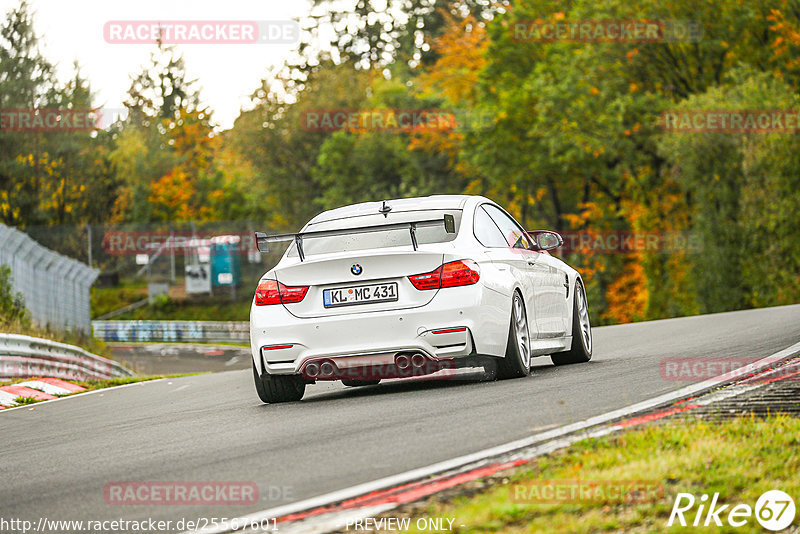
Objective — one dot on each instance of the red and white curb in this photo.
(332, 511)
(39, 389)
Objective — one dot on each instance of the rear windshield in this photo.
(388, 239)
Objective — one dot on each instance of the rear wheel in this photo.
(356, 383)
(517, 362)
(278, 388)
(581, 350)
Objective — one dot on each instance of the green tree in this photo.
(161, 88)
(283, 147)
(26, 82)
(373, 34)
(12, 305)
(743, 197)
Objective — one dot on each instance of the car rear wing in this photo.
(263, 240)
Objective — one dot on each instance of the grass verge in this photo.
(107, 299)
(194, 309)
(739, 458)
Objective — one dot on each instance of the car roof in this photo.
(433, 202)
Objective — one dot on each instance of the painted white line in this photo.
(335, 521)
(560, 432)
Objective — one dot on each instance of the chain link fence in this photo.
(161, 252)
(178, 266)
(55, 287)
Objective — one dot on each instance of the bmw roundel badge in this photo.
(356, 269)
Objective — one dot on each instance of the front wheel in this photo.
(278, 388)
(517, 362)
(581, 350)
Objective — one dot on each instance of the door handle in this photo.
(531, 262)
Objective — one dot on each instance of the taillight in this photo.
(452, 274)
(460, 273)
(431, 280)
(273, 292)
(290, 295)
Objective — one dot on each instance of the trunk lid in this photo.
(377, 268)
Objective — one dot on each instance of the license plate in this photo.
(347, 296)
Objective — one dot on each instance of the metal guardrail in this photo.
(24, 356)
(173, 331)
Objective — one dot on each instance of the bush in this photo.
(12, 305)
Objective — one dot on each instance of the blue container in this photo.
(225, 268)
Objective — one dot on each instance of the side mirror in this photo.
(546, 240)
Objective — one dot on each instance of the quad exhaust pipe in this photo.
(402, 362)
(324, 369)
(417, 360)
(405, 361)
(312, 370)
(327, 368)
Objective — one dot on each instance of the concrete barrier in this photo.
(173, 331)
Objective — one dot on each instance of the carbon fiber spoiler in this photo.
(263, 240)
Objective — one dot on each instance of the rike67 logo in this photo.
(774, 511)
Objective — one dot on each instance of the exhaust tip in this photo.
(418, 360)
(312, 370)
(327, 368)
(402, 361)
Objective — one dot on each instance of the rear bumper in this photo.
(442, 330)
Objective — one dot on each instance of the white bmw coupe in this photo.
(410, 287)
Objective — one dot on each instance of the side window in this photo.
(512, 232)
(487, 232)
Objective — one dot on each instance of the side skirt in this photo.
(545, 347)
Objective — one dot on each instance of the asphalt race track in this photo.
(180, 358)
(57, 458)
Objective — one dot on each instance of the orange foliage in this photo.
(627, 296)
(788, 35)
(171, 197)
(455, 76)
(192, 138)
(462, 56)
(175, 196)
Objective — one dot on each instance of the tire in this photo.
(581, 350)
(356, 383)
(278, 388)
(517, 362)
